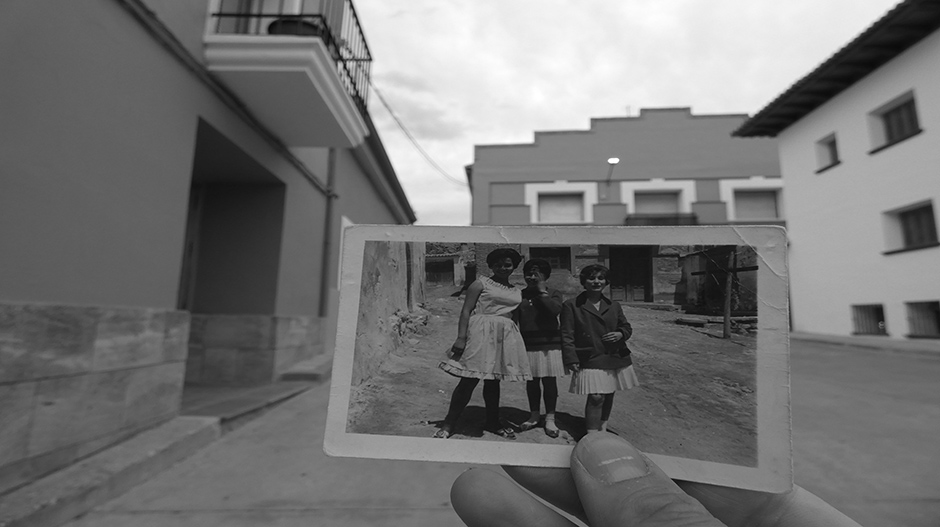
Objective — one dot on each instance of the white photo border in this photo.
(774, 470)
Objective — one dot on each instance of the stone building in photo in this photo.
(450, 263)
(691, 278)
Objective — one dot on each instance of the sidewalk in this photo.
(272, 471)
(912, 346)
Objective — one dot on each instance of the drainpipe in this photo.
(327, 228)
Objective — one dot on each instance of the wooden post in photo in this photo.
(729, 279)
(730, 271)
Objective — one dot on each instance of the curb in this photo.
(317, 369)
(64, 495)
(251, 410)
(68, 493)
(908, 347)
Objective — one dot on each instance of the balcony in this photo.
(661, 219)
(301, 66)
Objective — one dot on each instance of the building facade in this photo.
(858, 150)
(672, 168)
(176, 177)
(664, 167)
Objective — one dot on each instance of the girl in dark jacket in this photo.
(538, 323)
(594, 331)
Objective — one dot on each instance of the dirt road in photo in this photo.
(696, 397)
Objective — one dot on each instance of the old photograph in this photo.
(467, 341)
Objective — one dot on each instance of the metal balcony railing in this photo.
(333, 21)
(661, 219)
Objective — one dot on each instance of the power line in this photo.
(414, 141)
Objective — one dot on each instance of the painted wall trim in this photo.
(685, 188)
(727, 187)
(588, 190)
(344, 222)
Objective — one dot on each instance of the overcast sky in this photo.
(459, 73)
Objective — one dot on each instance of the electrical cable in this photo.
(414, 141)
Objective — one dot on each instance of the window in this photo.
(656, 202)
(827, 153)
(894, 122)
(557, 257)
(755, 205)
(923, 319)
(869, 319)
(561, 202)
(918, 227)
(561, 208)
(901, 122)
(658, 196)
(259, 17)
(909, 228)
(751, 199)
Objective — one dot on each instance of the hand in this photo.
(574, 367)
(457, 349)
(611, 484)
(536, 281)
(613, 336)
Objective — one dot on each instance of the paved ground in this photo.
(273, 472)
(866, 424)
(866, 432)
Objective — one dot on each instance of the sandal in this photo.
(552, 433)
(443, 433)
(506, 432)
(528, 425)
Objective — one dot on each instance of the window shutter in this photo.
(657, 202)
(755, 205)
(561, 208)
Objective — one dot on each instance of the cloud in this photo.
(468, 72)
(425, 113)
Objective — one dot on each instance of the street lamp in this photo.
(612, 162)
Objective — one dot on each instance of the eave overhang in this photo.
(905, 25)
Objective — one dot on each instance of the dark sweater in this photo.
(582, 327)
(537, 316)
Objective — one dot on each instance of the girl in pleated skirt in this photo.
(594, 331)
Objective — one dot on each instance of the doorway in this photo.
(231, 263)
(631, 273)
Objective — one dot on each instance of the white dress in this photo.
(495, 349)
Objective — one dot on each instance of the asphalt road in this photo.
(866, 432)
(865, 423)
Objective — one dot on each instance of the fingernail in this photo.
(609, 459)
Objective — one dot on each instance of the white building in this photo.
(859, 142)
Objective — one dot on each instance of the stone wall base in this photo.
(77, 379)
(248, 350)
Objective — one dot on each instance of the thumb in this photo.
(619, 486)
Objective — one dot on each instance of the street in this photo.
(865, 432)
(865, 428)
(696, 397)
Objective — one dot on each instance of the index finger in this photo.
(740, 507)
